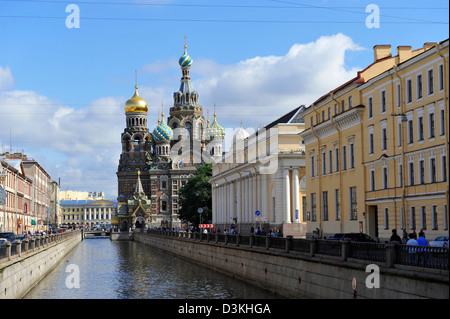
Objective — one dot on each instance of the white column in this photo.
(287, 197)
(109, 213)
(238, 201)
(251, 198)
(84, 211)
(90, 214)
(232, 210)
(213, 200)
(296, 195)
(264, 196)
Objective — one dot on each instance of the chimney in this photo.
(381, 51)
(428, 45)
(404, 53)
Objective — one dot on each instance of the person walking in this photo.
(422, 252)
(395, 237)
(412, 250)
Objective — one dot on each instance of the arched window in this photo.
(188, 127)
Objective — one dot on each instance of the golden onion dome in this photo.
(136, 103)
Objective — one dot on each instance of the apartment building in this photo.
(376, 147)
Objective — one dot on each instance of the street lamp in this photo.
(200, 211)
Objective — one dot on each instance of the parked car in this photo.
(11, 237)
(358, 237)
(337, 236)
(441, 241)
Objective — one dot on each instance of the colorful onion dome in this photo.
(162, 132)
(185, 60)
(136, 103)
(215, 130)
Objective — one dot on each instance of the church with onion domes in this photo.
(154, 165)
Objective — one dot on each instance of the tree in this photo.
(196, 193)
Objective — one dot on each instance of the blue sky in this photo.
(62, 90)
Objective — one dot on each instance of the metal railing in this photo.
(387, 254)
(20, 248)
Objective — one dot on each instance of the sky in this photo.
(63, 88)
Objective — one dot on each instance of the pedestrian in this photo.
(405, 237)
(395, 237)
(423, 255)
(412, 250)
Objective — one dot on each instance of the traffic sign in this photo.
(257, 213)
(206, 225)
(354, 283)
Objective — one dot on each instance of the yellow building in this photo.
(363, 172)
(405, 149)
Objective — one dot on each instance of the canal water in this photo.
(108, 269)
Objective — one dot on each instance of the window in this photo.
(411, 173)
(441, 77)
(372, 180)
(400, 175)
(444, 212)
(353, 204)
(383, 101)
(342, 106)
(164, 205)
(352, 155)
(335, 109)
(442, 121)
(433, 178)
(313, 207)
(386, 218)
(402, 225)
(431, 125)
(408, 91)
(444, 168)
(410, 132)
(434, 217)
(419, 86)
(329, 112)
(370, 104)
(384, 138)
(423, 217)
(344, 158)
(420, 128)
(349, 102)
(330, 161)
(337, 202)
(430, 82)
(412, 217)
(385, 177)
(399, 134)
(421, 172)
(325, 205)
(163, 184)
(371, 143)
(312, 121)
(324, 163)
(312, 166)
(336, 156)
(304, 208)
(398, 95)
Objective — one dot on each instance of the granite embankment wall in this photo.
(298, 275)
(19, 273)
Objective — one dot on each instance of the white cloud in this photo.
(6, 78)
(263, 88)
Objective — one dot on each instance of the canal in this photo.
(130, 270)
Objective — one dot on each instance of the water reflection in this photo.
(130, 270)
